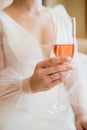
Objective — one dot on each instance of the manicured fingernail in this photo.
(68, 58)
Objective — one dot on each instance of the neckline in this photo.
(27, 32)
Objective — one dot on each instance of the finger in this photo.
(53, 84)
(53, 61)
(58, 68)
(57, 82)
(59, 75)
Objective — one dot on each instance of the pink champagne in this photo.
(63, 49)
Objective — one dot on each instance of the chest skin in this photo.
(40, 25)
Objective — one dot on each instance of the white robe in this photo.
(28, 111)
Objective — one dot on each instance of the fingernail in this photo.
(68, 58)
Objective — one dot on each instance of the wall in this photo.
(75, 8)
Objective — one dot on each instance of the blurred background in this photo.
(77, 8)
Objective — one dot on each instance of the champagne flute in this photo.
(64, 48)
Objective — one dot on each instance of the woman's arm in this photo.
(10, 84)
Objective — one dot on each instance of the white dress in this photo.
(22, 111)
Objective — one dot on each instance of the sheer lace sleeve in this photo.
(11, 86)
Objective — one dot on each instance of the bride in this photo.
(29, 79)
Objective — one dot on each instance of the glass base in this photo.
(58, 108)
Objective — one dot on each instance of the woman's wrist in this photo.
(26, 86)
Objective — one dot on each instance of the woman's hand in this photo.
(49, 73)
(81, 121)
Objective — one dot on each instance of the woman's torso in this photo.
(22, 53)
